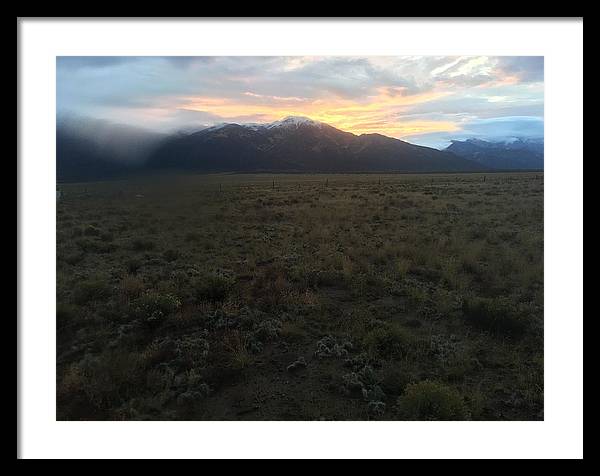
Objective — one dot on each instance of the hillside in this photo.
(299, 145)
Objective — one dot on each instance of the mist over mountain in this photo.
(512, 154)
(94, 149)
(90, 149)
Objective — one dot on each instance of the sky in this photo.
(426, 100)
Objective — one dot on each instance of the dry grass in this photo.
(262, 274)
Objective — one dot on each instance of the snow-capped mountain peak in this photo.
(286, 122)
(293, 121)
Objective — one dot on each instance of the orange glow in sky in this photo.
(375, 114)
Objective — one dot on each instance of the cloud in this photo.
(526, 68)
(507, 127)
(396, 96)
(82, 62)
(498, 128)
(118, 141)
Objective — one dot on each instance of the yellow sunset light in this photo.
(374, 114)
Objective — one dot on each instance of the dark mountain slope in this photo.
(226, 148)
(93, 149)
(80, 159)
(299, 145)
(386, 153)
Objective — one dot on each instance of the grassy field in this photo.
(301, 297)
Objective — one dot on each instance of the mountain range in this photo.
(293, 144)
(513, 154)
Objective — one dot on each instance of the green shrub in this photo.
(159, 351)
(160, 379)
(154, 307)
(139, 244)
(133, 265)
(394, 380)
(171, 255)
(192, 350)
(428, 400)
(494, 315)
(307, 277)
(95, 246)
(131, 286)
(212, 287)
(367, 284)
(267, 330)
(387, 342)
(74, 258)
(110, 378)
(91, 290)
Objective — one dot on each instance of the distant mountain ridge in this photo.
(293, 145)
(514, 154)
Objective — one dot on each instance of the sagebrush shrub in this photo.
(110, 378)
(154, 307)
(213, 287)
(74, 258)
(429, 400)
(139, 244)
(159, 351)
(267, 330)
(394, 380)
(192, 350)
(133, 265)
(160, 378)
(387, 342)
(131, 286)
(329, 346)
(237, 345)
(95, 246)
(91, 290)
(171, 255)
(308, 277)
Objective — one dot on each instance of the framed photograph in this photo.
(300, 238)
